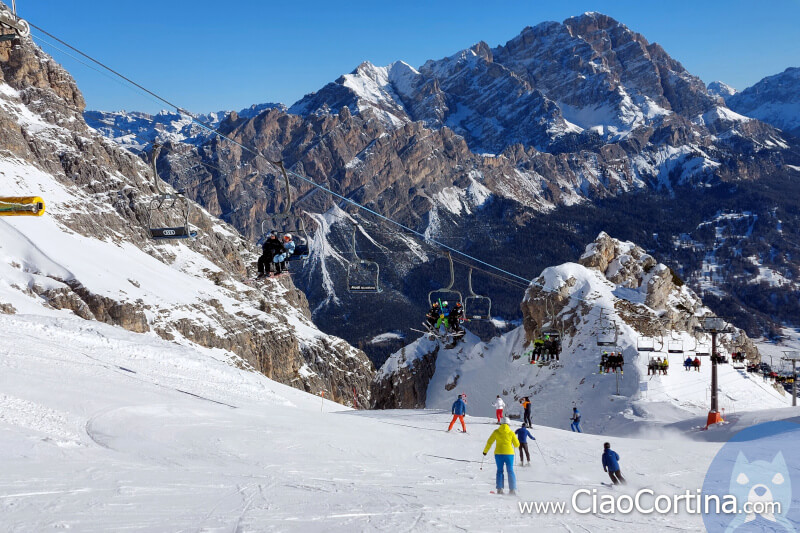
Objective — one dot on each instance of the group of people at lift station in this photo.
(611, 362)
(442, 314)
(505, 440)
(545, 349)
(274, 254)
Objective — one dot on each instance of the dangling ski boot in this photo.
(499, 491)
(512, 493)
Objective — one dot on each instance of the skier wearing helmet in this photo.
(454, 319)
(288, 250)
(444, 313)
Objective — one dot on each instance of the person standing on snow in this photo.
(611, 464)
(576, 420)
(522, 436)
(505, 441)
(459, 409)
(526, 405)
(499, 405)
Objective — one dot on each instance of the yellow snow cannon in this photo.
(21, 206)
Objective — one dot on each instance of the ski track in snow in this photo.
(91, 447)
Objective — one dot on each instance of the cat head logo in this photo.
(757, 467)
(761, 482)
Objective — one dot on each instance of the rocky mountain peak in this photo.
(721, 89)
(592, 23)
(627, 283)
(483, 51)
(91, 254)
(773, 100)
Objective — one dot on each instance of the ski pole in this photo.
(540, 452)
(484, 457)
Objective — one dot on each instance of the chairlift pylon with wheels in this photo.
(449, 289)
(476, 307)
(168, 212)
(10, 20)
(363, 276)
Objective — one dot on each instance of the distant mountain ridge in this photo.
(136, 131)
(534, 145)
(774, 100)
(554, 86)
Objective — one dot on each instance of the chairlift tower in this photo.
(714, 326)
(793, 356)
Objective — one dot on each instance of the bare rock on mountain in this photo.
(773, 100)
(642, 294)
(406, 386)
(98, 196)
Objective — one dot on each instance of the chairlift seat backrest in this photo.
(474, 305)
(675, 346)
(180, 232)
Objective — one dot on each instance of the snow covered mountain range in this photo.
(614, 283)
(137, 131)
(91, 256)
(774, 100)
(542, 142)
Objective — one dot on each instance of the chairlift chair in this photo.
(702, 348)
(607, 333)
(646, 344)
(363, 276)
(168, 213)
(301, 249)
(674, 345)
(476, 307)
(449, 289)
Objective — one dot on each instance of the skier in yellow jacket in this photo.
(504, 443)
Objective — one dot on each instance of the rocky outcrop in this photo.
(103, 195)
(404, 383)
(652, 299)
(484, 147)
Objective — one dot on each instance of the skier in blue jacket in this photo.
(522, 435)
(611, 464)
(459, 409)
(576, 420)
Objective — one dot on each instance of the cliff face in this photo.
(648, 297)
(615, 298)
(539, 143)
(91, 254)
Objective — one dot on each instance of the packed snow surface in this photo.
(106, 430)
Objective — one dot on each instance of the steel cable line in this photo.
(517, 280)
(256, 153)
(279, 164)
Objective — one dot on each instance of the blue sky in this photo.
(209, 56)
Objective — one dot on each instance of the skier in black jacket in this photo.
(271, 247)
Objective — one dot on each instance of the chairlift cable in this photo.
(279, 164)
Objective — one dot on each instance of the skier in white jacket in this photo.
(499, 405)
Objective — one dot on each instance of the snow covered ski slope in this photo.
(102, 429)
(632, 293)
